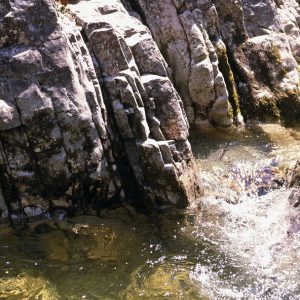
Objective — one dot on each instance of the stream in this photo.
(231, 244)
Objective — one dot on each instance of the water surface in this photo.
(232, 244)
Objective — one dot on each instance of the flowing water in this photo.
(231, 244)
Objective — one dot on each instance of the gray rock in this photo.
(135, 75)
(77, 120)
(293, 214)
(96, 105)
(262, 47)
(295, 176)
(179, 30)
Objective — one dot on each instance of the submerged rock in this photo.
(35, 213)
(294, 212)
(294, 201)
(165, 281)
(27, 286)
(295, 178)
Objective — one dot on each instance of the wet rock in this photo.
(294, 201)
(35, 213)
(294, 212)
(59, 215)
(257, 182)
(295, 178)
(4, 214)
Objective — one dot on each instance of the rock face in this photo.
(228, 57)
(181, 33)
(97, 98)
(87, 118)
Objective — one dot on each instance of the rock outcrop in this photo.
(228, 57)
(97, 97)
(87, 118)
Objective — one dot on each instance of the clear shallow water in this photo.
(234, 247)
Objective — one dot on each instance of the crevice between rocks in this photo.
(130, 186)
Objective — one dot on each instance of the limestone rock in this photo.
(204, 41)
(146, 106)
(179, 30)
(79, 126)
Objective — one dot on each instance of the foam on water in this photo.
(250, 226)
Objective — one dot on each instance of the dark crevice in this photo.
(239, 76)
(137, 8)
(30, 148)
(7, 183)
(132, 192)
(225, 68)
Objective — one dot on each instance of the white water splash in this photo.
(244, 215)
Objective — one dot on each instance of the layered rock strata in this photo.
(62, 146)
(230, 56)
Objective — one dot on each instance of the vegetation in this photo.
(226, 70)
(267, 107)
(275, 55)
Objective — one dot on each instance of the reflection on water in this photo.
(123, 255)
(232, 244)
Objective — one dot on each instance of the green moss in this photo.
(275, 55)
(220, 119)
(283, 106)
(282, 73)
(294, 93)
(289, 105)
(226, 70)
(267, 108)
(230, 113)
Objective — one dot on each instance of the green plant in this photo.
(275, 55)
(226, 70)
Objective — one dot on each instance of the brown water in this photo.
(234, 247)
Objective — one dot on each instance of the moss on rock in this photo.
(267, 109)
(226, 70)
(275, 56)
(289, 106)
